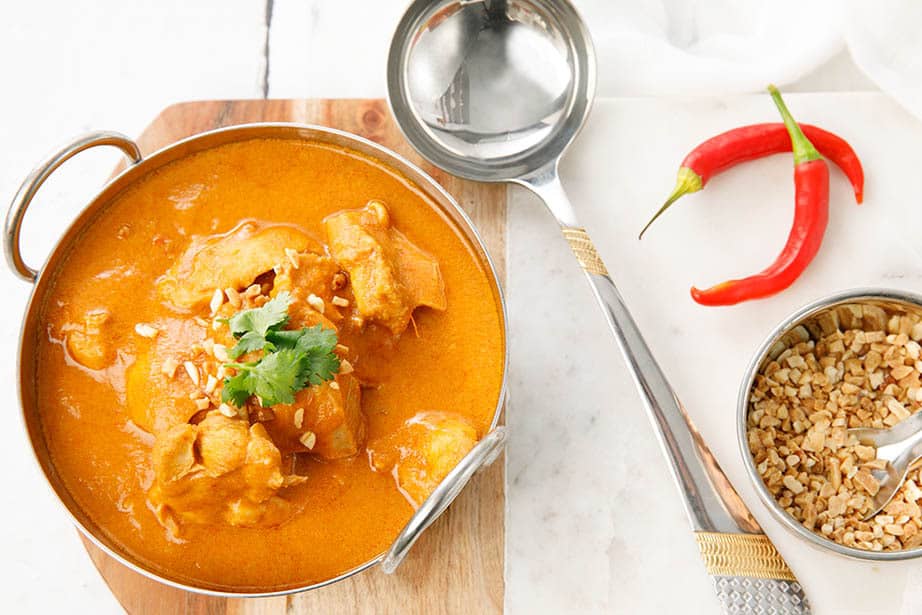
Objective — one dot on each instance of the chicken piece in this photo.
(423, 451)
(219, 471)
(174, 454)
(222, 444)
(333, 415)
(301, 275)
(390, 276)
(231, 260)
(158, 387)
(86, 343)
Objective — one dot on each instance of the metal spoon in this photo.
(900, 446)
(495, 90)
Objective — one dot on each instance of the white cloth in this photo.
(719, 47)
(709, 47)
(884, 40)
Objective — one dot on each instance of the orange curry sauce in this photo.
(346, 512)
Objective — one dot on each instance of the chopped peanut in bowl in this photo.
(856, 365)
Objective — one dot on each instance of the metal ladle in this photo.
(495, 90)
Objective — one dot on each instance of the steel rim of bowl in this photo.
(383, 155)
(856, 295)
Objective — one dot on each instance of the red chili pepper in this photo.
(756, 141)
(811, 213)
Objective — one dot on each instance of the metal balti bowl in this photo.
(483, 453)
(807, 323)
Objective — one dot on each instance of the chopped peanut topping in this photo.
(233, 297)
(308, 439)
(146, 330)
(220, 353)
(169, 366)
(292, 256)
(217, 300)
(192, 370)
(316, 302)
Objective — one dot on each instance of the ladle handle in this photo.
(710, 501)
(748, 572)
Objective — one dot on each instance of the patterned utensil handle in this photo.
(744, 595)
(750, 576)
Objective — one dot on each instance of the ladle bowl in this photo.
(494, 91)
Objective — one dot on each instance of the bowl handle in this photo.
(482, 455)
(35, 180)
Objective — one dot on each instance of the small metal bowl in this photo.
(808, 323)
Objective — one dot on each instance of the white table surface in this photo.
(579, 536)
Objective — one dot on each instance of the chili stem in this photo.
(801, 146)
(687, 182)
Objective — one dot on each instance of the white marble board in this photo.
(594, 522)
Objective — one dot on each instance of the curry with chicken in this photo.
(260, 358)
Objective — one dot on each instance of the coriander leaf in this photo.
(250, 342)
(316, 345)
(273, 315)
(274, 378)
(321, 367)
(317, 339)
(278, 376)
(237, 389)
(308, 339)
(285, 338)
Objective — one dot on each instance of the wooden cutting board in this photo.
(457, 565)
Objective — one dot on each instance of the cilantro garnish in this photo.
(250, 327)
(292, 359)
